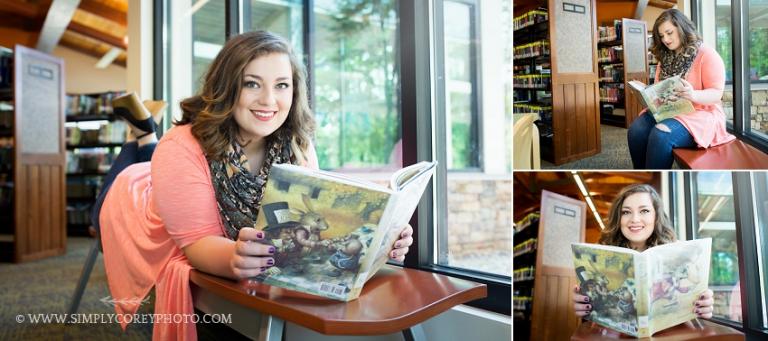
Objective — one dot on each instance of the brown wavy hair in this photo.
(663, 232)
(685, 28)
(210, 111)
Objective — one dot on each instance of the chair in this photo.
(526, 142)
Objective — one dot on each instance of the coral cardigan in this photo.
(152, 211)
(707, 123)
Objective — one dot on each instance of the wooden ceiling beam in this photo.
(24, 9)
(22, 23)
(85, 51)
(102, 10)
(97, 35)
(662, 3)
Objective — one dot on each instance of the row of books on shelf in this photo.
(528, 220)
(525, 247)
(652, 58)
(6, 70)
(531, 108)
(532, 17)
(610, 109)
(83, 187)
(6, 196)
(6, 157)
(532, 81)
(78, 213)
(612, 92)
(89, 161)
(534, 49)
(522, 302)
(609, 33)
(113, 132)
(6, 119)
(609, 54)
(524, 274)
(611, 73)
(540, 68)
(91, 104)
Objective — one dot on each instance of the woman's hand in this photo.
(250, 257)
(581, 303)
(402, 244)
(704, 305)
(686, 91)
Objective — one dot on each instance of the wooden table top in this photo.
(393, 300)
(710, 331)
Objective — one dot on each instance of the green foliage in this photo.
(357, 84)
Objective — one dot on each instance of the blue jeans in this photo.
(650, 147)
(130, 153)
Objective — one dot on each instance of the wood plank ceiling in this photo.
(96, 26)
(603, 187)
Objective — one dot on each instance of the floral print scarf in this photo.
(678, 64)
(238, 191)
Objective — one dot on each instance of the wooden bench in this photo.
(732, 155)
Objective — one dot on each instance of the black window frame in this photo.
(741, 83)
(744, 215)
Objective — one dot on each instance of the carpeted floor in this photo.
(614, 153)
(46, 287)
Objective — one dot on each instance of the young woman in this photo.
(637, 221)
(680, 52)
(195, 204)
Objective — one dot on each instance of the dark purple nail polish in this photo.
(701, 297)
(589, 306)
(270, 261)
(586, 299)
(263, 269)
(397, 245)
(271, 249)
(260, 235)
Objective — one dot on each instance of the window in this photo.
(717, 29)
(476, 233)
(196, 33)
(460, 85)
(284, 18)
(758, 67)
(357, 84)
(715, 219)
(761, 230)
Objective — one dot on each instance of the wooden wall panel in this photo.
(575, 119)
(632, 103)
(39, 191)
(557, 320)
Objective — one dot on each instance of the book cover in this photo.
(640, 293)
(331, 232)
(656, 98)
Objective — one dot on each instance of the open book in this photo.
(332, 233)
(656, 98)
(640, 293)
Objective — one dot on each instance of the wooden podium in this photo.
(394, 300)
(691, 330)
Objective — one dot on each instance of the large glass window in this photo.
(195, 35)
(715, 219)
(477, 230)
(722, 42)
(356, 78)
(284, 17)
(460, 85)
(758, 66)
(761, 229)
